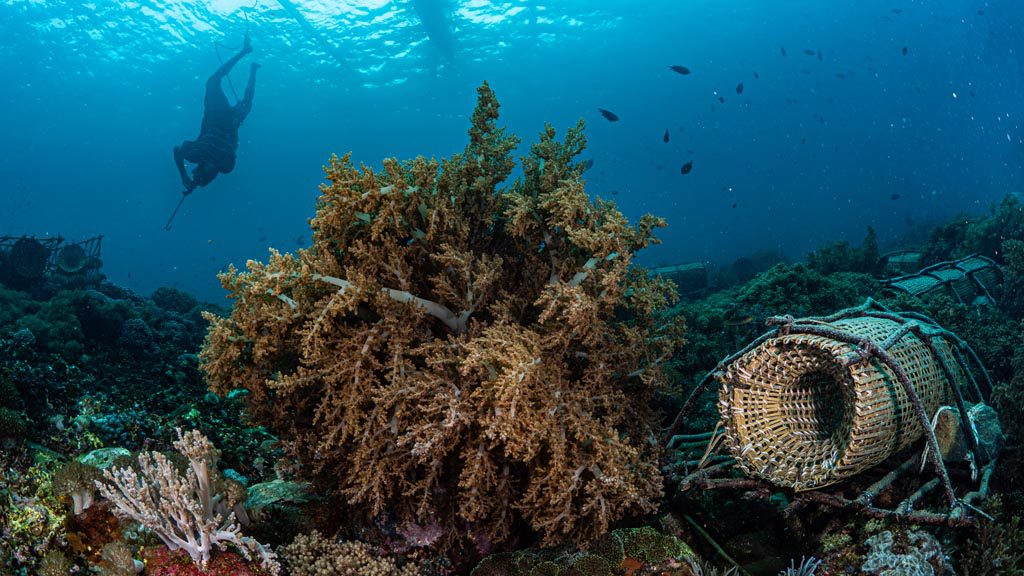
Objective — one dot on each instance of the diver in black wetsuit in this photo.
(213, 151)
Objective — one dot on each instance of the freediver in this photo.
(213, 151)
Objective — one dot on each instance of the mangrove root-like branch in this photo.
(873, 491)
(711, 542)
(455, 322)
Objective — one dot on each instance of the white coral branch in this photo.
(185, 512)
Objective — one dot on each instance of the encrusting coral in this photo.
(466, 357)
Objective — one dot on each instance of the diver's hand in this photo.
(247, 45)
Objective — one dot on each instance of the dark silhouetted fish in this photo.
(840, 75)
(819, 55)
(734, 204)
(981, 12)
(897, 10)
(615, 192)
(782, 49)
(756, 76)
(894, 196)
(739, 88)
(721, 99)
(665, 137)
(904, 50)
(609, 115)
(809, 52)
(679, 69)
(588, 164)
(687, 168)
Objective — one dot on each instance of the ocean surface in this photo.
(805, 122)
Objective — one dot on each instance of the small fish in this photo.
(809, 52)
(819, 55)
(588, 164)
(897, 10)
(721, 99)
(679, 69)
(783, 50)
(981, 12)
(894, 196)
(609, 115)
(738, 320)
(739, 88)
(665, 137)
(687, 168)
(756, 76)
(840, 75)
(904, 50)
(615, 192)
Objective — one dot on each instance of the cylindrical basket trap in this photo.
(806, 411)
(72, 259)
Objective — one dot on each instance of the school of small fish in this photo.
(682, 70)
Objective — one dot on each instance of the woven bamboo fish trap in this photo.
(688, 278)
(967, 280)
(819, 400)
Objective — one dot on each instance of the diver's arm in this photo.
(227, 66)
(179, 161)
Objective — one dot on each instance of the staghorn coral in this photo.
(456, 353)
(187, 512)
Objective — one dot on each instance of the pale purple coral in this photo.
(186, 512)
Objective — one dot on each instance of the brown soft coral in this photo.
(458, 354)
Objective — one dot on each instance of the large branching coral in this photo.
(467, 358)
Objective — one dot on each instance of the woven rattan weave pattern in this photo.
(806, 411)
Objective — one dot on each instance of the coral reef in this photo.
(1012, 298)
(983, 234)
(634, 551)
(163, 562)
(457, 354)
(117, 560)
(77, 481)
(914, 553)
(190, 513)
(54, 563)
(314, 555)
(997, 547)
(841, 257)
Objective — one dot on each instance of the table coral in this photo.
(458, 353)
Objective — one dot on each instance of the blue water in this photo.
(94, 95)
